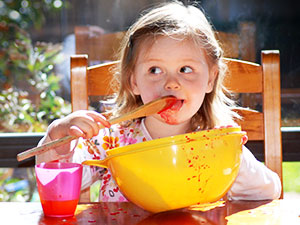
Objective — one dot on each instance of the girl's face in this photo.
(173, 67)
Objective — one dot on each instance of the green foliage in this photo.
(27, 13)
(28, 97)
(19, 114)
(18, 185)
(94, 191)
(291, 178)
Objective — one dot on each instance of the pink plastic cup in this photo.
(59, 187)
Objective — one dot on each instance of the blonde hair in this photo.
(175, 19)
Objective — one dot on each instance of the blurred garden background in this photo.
(37, 39)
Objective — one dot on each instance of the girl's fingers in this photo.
(99, 118)
(95, 120)
(84, 128)
(81, 123)
(76, 131)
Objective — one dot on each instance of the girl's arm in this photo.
(254, 181)
(52, 154)
(81, 124)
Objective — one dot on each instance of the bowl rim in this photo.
(139, 147)
(177, 139)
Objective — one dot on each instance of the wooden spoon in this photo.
(156, 106)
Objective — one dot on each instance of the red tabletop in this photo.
(232, 213)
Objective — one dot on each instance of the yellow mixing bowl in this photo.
(178, 171)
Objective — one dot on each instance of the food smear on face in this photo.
(169, 103)
(167, 112)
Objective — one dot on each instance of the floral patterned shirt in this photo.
(108, 138)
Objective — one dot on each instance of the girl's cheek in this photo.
(151, 93)
(147, 97)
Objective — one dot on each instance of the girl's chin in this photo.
(169, 119)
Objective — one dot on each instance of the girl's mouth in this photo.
(173, 104)
(167, 113)
(177, 105)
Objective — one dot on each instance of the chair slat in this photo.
(79, 94)
(99, 79)
(272, 109)
(243, 77)
(253, 124)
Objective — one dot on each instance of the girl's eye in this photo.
(186, 69)
(155, 70)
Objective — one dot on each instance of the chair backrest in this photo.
(243, 77)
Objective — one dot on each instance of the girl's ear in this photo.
(134, 86)
(213, 74)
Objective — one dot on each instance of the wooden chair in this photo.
(246, 77)
(243, 77)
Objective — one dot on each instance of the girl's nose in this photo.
(172, 84)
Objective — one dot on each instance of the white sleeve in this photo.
(254, 181)
(89, 174)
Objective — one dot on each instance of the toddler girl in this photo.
(170, 50)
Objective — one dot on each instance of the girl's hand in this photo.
(81, 123)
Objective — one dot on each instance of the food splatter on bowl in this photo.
(178, 171)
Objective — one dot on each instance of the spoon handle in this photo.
(150, 108)
(45, 147)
